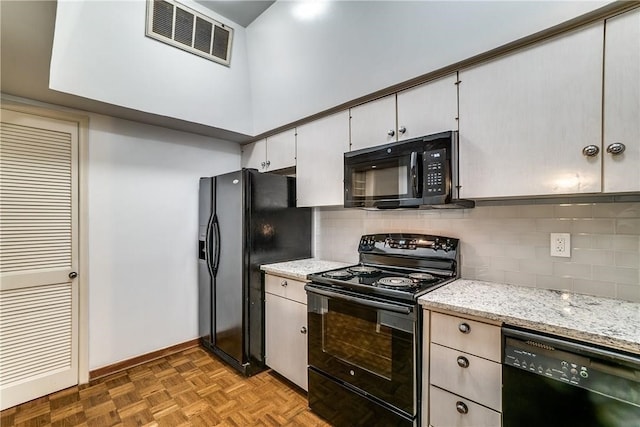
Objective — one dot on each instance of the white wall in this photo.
(100, 52)
(300, 67)
(143, 218)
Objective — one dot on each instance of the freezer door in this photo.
(204, 277)
(228, 282)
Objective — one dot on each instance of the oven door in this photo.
(383, 178)
(367, 343)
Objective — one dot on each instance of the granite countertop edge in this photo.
(300, 269)
(544, 315)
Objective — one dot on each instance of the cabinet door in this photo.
(254, 155)
(525, 118)
(622, 102)
(281, 150)
(286, 338)
(373, 123)
(320, 164)
(429, 108)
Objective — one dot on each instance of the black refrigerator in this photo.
(247, 219)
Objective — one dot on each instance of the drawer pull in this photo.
(303, 330)
(464, 328)
(461, 407)
(284, 283)
(463, 362)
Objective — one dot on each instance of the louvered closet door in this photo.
(38, 251)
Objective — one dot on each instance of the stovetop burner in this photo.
(338, 274)
(363, 270)
(423, 277)
(396, 282)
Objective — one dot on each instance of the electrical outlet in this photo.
(560, 245)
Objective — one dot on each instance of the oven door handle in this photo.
(369, 303)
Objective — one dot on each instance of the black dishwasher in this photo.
(551, 381)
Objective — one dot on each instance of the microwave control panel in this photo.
(435, 173)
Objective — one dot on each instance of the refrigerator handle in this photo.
(207, 245)
(216, 228)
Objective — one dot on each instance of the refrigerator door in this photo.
(276, 231)
(228, 281)
(204, 257)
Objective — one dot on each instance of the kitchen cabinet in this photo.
(321, 145)
(526, 117)
(286, 328)
(465, 373)
(272, 153)
(622, 103)
(373, 123)
(421, 110)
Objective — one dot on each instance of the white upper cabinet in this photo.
(422, 110)
(429, 108)
(622, 103)
(525, 119)
(373, 123)
(254, 155)
(320, 164)
(272, 153)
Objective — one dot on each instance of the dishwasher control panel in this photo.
(569, 368)
(604, 371)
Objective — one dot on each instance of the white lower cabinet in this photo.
(455, 411)
(286, 328)
(465, 373)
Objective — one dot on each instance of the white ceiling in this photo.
(242, 12)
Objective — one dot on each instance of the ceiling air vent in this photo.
(179, 26)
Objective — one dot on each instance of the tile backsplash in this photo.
(510, 244)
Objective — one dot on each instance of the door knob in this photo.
(402, 130)
(616, 148)
(463, 362)
(391, 132)
(591, 150)
(73, 275)
(461, 407)
(303, 330)
(464, 328)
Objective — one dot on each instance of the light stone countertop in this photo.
(298, 270)
(604, 321)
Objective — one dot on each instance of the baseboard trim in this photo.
(144, 358)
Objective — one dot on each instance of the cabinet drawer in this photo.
(285, 287)
(480, 338)
(480, 380)
(445, 411)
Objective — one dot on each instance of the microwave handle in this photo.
(414, 173)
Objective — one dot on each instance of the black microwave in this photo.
(416, 173)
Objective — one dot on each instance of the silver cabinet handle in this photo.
(73, 275)
(402, 130)
(303, 330)
(616, 148)
(263, 164)
(464, 328)
(461, 407)
(463, 362)
(284, 283)
(391, 132)
(591, 150)
(268, 163)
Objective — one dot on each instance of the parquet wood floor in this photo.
(190, 388)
